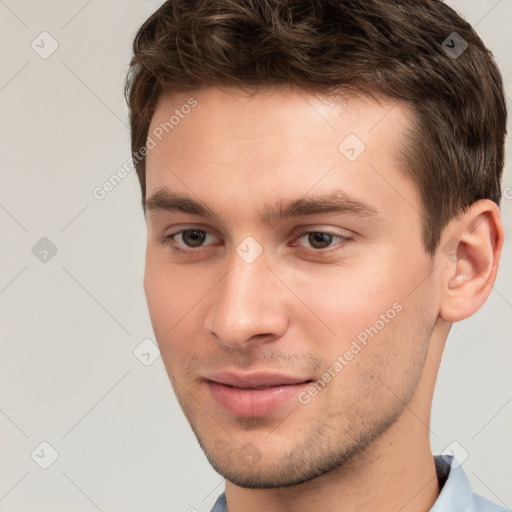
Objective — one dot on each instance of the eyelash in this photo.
(168, 239)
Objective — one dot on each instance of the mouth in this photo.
(256, 394)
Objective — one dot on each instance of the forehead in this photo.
(278, 144)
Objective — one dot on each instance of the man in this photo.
(321, 182)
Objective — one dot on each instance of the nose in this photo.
(248, 306)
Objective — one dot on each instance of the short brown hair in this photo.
(394, 48)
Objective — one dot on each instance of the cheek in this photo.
(347, 299)
(380, 371)
(172, 294)
(379, 303)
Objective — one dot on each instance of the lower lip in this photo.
(254, 402)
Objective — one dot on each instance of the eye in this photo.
(320, 239)
(190, 238)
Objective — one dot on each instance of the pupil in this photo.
(320, 240)
(193, 237)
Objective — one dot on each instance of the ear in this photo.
(469, 253)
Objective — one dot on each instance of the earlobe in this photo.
(469, 252)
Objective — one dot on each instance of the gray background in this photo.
(71, 323)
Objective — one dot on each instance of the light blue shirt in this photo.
(455, 496)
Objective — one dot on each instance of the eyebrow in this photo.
(336, 202)
(165, 200)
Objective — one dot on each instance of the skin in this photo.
(363, 440)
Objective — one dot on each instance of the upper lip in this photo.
(255, 380)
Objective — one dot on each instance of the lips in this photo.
(255, 394)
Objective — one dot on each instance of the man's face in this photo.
(288, 287)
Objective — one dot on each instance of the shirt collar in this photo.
(456, 494)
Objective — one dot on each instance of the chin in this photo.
(247, 467)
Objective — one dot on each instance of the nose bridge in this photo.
(245, 305)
